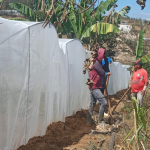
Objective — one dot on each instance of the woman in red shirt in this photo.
(139, 82)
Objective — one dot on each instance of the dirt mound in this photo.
(74, 132)
(60, 134)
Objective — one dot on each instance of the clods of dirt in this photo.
(60, 134)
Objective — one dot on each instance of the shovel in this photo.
(108, 100)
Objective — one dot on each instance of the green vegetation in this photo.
(88, 24)
(18, 19)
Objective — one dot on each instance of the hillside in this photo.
(126, 47)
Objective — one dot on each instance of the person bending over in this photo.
(96, 76)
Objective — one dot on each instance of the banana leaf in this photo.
(139, 47)
(145, 59)
(72, 18)
(27, 11)
(102, 28)
(124, 11)
(104, 6)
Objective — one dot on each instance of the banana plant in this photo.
(139, 47)
(145, 58)
(102, 28)
(82, 25)
(114, 17)
(25, 10)
(36, 12)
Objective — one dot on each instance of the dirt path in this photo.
(73, 134)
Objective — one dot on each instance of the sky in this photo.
(135, 11)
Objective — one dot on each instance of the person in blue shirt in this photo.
(105, 65)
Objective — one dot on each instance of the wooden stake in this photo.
(123, 120)
(106, 84)
(106, 92)
(135, 129)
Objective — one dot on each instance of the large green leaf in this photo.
(72, 18)
(139, 47)
(27, 11)
(102, 28)
(145, 59)
(104, 6)
(115, 18)
(124, 11)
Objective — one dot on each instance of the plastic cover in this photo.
(39, 82)
(75, 54)
(119, 79)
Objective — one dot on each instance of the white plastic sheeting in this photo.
(39, 82)
(119, 79)
(38, 85)
(75, 54)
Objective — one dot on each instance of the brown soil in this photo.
(138, 28)
(59, 134)
(74, 133)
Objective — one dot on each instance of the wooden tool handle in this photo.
(106, 92)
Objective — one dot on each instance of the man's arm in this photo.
(97, 67)
(144, 89)
(146, 83)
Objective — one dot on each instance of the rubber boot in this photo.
(101, 120)
(101, 117)
(89, 118)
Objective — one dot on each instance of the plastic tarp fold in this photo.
(75, 54)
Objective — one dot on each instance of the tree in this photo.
(114, 17)
(83, 21)
(84, 25)
(34, 11)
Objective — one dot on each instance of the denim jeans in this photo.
(96, 94)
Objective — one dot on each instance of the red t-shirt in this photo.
(139, 79)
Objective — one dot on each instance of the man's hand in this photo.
(108, 74)
(143, 92)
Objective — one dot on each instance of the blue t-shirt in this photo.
(105, 66)
(109, 61)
